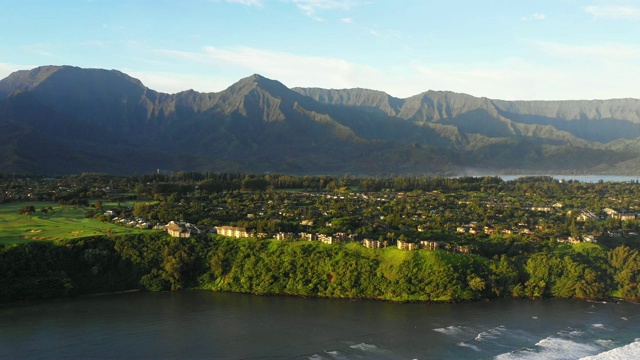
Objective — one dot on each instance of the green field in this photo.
(66, 222)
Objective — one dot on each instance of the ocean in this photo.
(207, 325)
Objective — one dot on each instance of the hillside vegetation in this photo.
(157, 262)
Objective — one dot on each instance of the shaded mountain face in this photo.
(61, 119)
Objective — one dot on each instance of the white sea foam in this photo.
(600, 327)
(552, 348)
(365, 347)
(630, 351)
(450, 330)
(470, 346)
(336, 355)
(624, 318)
(534, 317)
(570, 332)
(491, 334)
(316, 357)
(604, 343)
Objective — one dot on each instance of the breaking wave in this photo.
(630, 351)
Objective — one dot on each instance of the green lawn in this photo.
(66, 222)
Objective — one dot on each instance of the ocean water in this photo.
(197, 324)
(581, 178)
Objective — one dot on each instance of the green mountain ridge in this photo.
(106, 121)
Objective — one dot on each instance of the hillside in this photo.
(62, 119)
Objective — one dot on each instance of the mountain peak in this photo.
(63, 75)
(25, 80)
(257, 81)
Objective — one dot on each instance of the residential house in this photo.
(232, 231)
(586, 215)
(405, 245)
(372, 244)
(177, 230)
(308, 236)
(463, 249)
(327, 239)
(430, 245)
(284, 236)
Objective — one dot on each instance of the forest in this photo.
(157, 262)
(520, 253)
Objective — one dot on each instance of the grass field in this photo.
(66, 222)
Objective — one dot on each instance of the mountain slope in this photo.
(107, 121)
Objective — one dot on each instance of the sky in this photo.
(500, 49)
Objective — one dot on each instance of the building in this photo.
(284, 236)
(405, 245)
(624, 216)
(308, 236)
(587, 215)
(176, 230)
(327, 239)
(232, 231)
(372, 244)
(430, 245)
(463, 249)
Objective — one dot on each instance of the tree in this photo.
(27, 210)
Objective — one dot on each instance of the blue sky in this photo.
(502, 49)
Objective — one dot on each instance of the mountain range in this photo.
(61, 119)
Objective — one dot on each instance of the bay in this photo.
(580, 178)
(200, 324)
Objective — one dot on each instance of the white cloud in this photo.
(310, 7)
(517, 79)
(96, 43)
(291, 69)
(7, 69)
(511, 79)
(347, 20)
(384, 34)
(584, 72)
(616, 12)
(257, 3)
(43, 50)
(600, 53)
(172, 83)
(534, 16)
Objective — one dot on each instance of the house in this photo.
(474, 231)
(624, 216)
(284, 236)
(345, 237)
(574, 239)
(463, 249)
(430, 245)
(405, 245)
(176, 230)
(327, 239)
(372, 244)
(462, 229)
(232, 231)
(586, 215)
(308, 236)
(569, 240)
